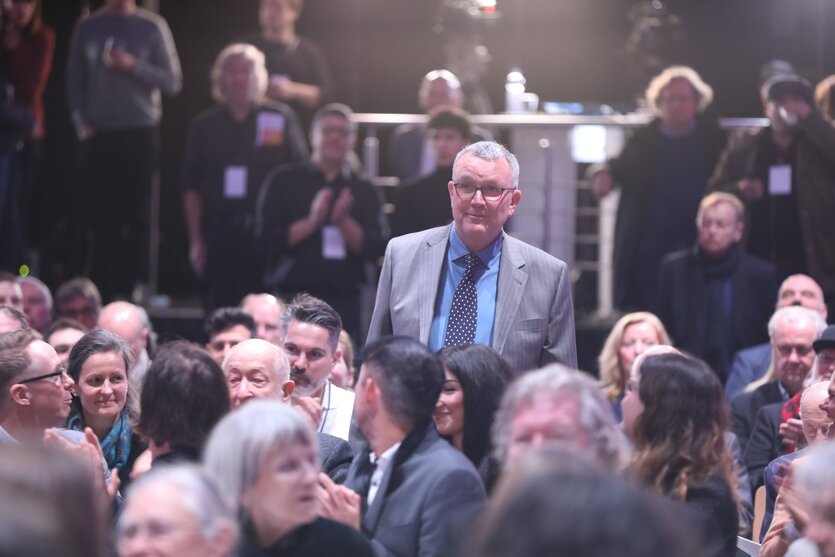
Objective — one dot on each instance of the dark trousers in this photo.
(121, 164)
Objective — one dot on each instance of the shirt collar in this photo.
(384, 458)
(457, 249)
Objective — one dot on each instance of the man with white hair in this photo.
(131, 323)
(792, 331)
(557, 405)
(257, 369)
(752, 363)
(230, 148)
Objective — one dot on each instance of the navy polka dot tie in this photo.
(460, 328)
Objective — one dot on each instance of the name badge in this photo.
(269, 129)
(234, 182)
(780, 179)
(333, 243)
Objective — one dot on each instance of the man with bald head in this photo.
(266, 310)
(131, 323)
(752, 363)
(411, 152)
(256, 369)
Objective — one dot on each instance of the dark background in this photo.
(570, 50)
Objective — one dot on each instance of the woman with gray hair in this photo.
(662, 172)
(176, 511)
(230, 148)
(104, 401)
(269, 476)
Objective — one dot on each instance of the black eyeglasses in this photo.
(59, 371)
(467, 191)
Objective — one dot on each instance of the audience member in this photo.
(226, 327)
(413, 490)
(311, 331)
(549, 509)
(183, 396)
(131, 324)
(268, 476)
(475, 378)
(256, 369)
(662, 172)
(816, 492)
(12, 319)
(557, 406)
(78, 299)
(11, 293)
(229, 150)
(342, 373)
(629, 338)
(752, 363)
(447, 286)
(299, 74)
(784, 174)
(121, 57)
(103, 401)
(825, 97)
(815, 426)
(424, 202)
(37, 303)
(176, 511)
(792, 331)
(266, 310)
(28, 45)
(319, 223)
(714, 298)
(411, 153)
(62, 334)
(678, 421)
(47, 505)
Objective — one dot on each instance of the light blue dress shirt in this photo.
(487, 283)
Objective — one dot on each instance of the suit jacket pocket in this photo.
(530, 324)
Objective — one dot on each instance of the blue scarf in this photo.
(116, 445)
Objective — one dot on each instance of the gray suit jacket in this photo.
(534, 323)
(428, 494)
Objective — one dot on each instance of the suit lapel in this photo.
(372, 515)
(512, 281)
(431, 261)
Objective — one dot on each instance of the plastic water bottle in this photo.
(514, 92)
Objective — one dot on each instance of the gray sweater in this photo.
(108, 99)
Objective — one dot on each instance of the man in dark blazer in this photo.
(792, 330)
(715, 299)
(752, 363)
(412, 491)
(524, 306)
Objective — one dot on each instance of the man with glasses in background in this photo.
(319, 223)
(470, 282)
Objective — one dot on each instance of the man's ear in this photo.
(287, 390)
(337, 355)
(20, 394)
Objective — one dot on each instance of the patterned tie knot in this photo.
(471, 262)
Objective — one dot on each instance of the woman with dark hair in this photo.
(184, 394)
(98, 364)
(677, 424)
(475, 379)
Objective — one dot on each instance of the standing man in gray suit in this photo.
(470, 282)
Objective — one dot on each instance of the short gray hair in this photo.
(556, 381)
(243, 440)
(489, 151)
(795, 314)
(200, 495)
(230, 54)
(38, 283)
(281, 364)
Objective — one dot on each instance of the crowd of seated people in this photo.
(468, 429)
